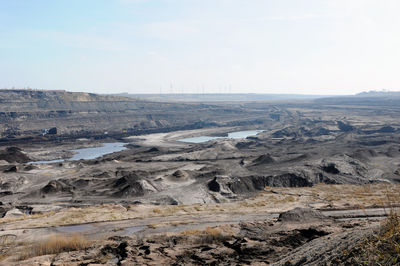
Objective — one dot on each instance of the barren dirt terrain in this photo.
(319, 180)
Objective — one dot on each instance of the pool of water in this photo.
(74, 228)
(231, 135)
(133, 229)
(91, 153)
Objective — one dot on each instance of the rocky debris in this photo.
(246, 144)
(3, 212)
(384, 129)
(263, 159)
(288, 180)
(25, 209)
(393, 152)
(131, 184)
(364, 154)
(222, 185)
(299, 158)
(154, 149)
(10, 169)
(179, 174)
(81, 183)
(6, 193)
(330, 168)
(344, 165)
(286, 132)
(129, 189)
(14, 213)
(102, 175)
(345, 127)
(53, 131)
(214, 185)
(302, 131)
(14, 155)
(320, 132)
(301, 215)
(118, 253)
(167, 200)
(248, 184)
(55, 186)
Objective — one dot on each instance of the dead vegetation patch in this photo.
(209, 235)
(55, 244)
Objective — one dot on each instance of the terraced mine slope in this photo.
(25, 113)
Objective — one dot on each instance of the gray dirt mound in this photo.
(299, 158)
(249, 184)
(301, 215)
(264, 159)
(131, 184)
(289, 180)
(121, 181)
(214, 185)
(133, 189)
(179, 175)
(2, 212)
(9, 169)
(246, 144)
(286, 132)
(364, 154)
(386, 129)
(14, 155)
(102, 175)
(393, 152)
(167, 200)
(55, 186)
(345, 127)
(330, 168)
(81, 183)
(154, 149)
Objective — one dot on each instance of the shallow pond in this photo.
(231, 135)
(90, 153)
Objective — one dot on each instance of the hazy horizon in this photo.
(211, 46)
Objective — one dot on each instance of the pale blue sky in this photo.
(140, 46)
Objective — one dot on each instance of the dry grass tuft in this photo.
(55, 244)
(208, 236)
